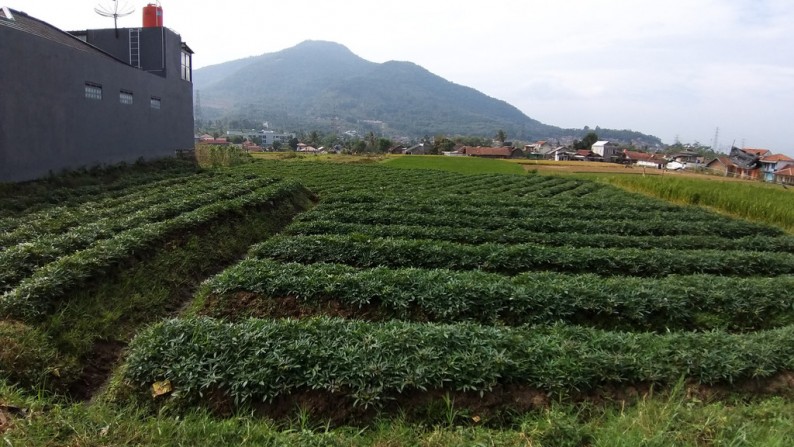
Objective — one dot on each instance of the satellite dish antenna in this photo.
(114, 10)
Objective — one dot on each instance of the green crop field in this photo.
(464, 165)
(449, 302)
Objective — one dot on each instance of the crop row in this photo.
(259, 360)
(406, 206)
(361, 251)
(644, 227)
(18, 261)
(696, 302)
(65, 211)
(33, 294)
(27, 197)
(603, 198)
(327, 178)
(53, 221)
(466, 235)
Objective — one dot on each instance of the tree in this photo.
(276, 145)
(384, 144)
(587, 142)
(293, 143)
(371, 140)
(501, 136)
(314, 138)
(442, 144)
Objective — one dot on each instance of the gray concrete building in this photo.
(87, 98)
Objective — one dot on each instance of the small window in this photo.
(186, 63)
(154, 103)
(93, 91)
(125, 97)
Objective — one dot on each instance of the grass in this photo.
(757, 201)
(463, 165)
(750, 200)
(661, 419)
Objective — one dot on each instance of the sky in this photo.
(676, 69)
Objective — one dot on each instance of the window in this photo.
(154, 102)
(125, 97)
(186, 66)
(93, 91)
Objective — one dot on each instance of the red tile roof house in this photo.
(492, 152)
(785, 176)
(222, 141)
(770, 164)
(758, 152)
(726, 167)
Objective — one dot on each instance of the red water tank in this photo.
(152, 16)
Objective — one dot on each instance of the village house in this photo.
(587, 155)
(754, 164)
(773, 163)
(492, 152)
(644, 159)
(605, 149)
(94, 97)
(785, 176)
(419, 149)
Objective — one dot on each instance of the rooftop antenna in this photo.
(114, 10)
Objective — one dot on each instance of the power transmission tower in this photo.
(197, 107)
(715, 147)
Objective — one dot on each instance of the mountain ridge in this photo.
(321, 85)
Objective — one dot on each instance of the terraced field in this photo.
(433, 282)
(508, 309)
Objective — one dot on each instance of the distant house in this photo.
(537, 147)
(419, 149)
(221, 141)
(733, 167)
(605, 149)
(492, 152)
(770, 164)
(302, 147)
(399, 149)
(757, 152)
(644, 159)
(561, 154)
(251, 147)
(785, 176)
(687, 157)
(92, 97)
(587, 155)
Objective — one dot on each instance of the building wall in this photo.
(48, 125)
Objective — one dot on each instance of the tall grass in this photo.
(758, 202)
(209, 156)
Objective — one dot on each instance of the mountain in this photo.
(320, 85)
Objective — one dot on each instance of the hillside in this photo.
(324, 86)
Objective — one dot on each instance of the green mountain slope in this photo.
(324, 86)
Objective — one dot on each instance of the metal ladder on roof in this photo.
(135, 47)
